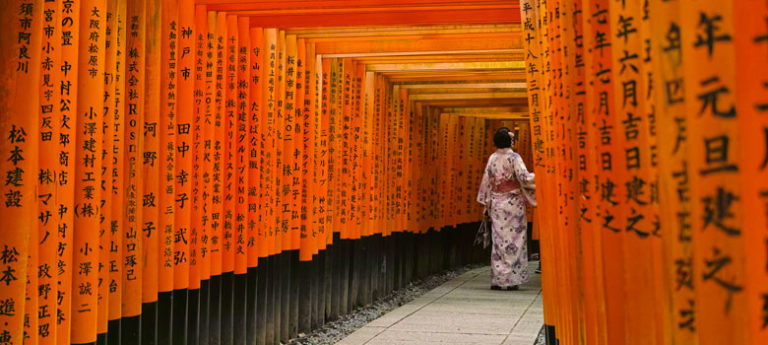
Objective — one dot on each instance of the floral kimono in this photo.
(506, 188)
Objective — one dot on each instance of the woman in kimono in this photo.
(506, 188)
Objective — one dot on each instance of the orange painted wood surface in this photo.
(167, 132)
(134, 120)
(87, 159)
(48, 183)
(184, 134)
(192, 138)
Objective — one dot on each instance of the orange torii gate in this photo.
(225, 158)
(166, 160)
(239, 171)
(653, 159)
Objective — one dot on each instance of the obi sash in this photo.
(506, 186)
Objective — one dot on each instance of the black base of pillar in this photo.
(164, 318)
(227, 301)
(179, 318)
(130, 330)
(240, 312)
(550, 336)
(204, 320)
(113, 332)
(149, 323)
(282, 297)
(193, 317)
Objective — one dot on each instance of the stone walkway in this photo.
(462, 311)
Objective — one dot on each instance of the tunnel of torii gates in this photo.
(239, 171)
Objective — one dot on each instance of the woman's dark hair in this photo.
(501, 139)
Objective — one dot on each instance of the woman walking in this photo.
(506, 188)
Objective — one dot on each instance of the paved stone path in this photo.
(462, 311)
